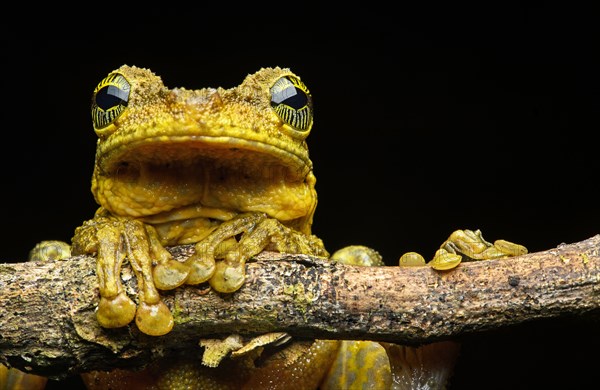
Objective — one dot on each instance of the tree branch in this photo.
(48, 324)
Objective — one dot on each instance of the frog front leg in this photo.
(114, 240)
(221, 257)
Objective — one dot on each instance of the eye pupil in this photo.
(111, 96)
(290, 96)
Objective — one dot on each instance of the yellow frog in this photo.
(227, 170)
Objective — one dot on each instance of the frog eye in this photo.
(292, 102)
(109, 99)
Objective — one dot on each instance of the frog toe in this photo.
(509, 248)
(228, 278)
(358, 255)
(444, 260)
(170, 275)
(411, 259)
(201, 269)
(115, 312)
(154, 319)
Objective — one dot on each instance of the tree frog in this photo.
(227, 170)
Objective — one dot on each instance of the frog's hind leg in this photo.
(470, 245)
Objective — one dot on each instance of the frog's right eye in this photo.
(109, 99)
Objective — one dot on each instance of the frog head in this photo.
(240, 149)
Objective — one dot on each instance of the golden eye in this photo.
(292, 102)
(109, 99)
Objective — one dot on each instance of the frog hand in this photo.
(117, 239)
(221, 257)
(470, 245)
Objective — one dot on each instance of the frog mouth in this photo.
(226, 153)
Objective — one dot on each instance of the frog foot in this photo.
(470, 245)
(221, 257)
(234, 346)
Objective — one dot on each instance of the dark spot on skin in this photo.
(513, 281)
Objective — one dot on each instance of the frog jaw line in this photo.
(181, 147)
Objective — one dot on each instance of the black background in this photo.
(427, 120)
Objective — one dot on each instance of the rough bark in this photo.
(48, 325)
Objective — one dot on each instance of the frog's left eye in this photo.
(109, 99)
(291, 100)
